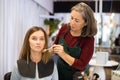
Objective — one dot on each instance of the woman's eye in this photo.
(76, 21)
(42, 38)
(34, 38)
(72, 18)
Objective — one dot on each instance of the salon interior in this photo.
(17, 16)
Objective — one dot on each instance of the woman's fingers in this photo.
(58, 49)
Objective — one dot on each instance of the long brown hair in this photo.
(25, 50)
(91, 28)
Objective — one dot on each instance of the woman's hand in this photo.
(58, 49)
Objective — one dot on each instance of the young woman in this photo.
(33, 63)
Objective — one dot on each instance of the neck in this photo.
(75, 33)
(35, 57)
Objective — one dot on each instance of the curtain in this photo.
(16, 16)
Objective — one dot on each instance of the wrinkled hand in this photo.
(58, 49)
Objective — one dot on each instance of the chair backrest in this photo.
(7, 76)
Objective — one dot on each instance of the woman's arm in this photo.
(85, 56)
(87, 46)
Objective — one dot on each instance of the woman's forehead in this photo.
(37, 33)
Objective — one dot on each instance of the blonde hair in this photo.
(91, 28)
(25, 50)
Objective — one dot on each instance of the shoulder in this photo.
(88, 38)
(21, 61)
(15, 73)
(50, 62)
(48, 65)
(25, 69)
(45, 69)
(61, 32)
(64, 28)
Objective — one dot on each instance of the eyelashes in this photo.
(35, 38)
(76, 20)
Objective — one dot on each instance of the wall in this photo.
(16, 16)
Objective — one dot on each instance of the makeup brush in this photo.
(45, 50)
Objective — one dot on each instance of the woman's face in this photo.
(76, 21)
(37, 41)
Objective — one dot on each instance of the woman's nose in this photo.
(38, 41)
